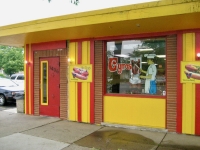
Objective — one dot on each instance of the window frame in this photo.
(42, 85)
(105, 68)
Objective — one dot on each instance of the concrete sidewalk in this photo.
(24, 132)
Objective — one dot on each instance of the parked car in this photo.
(18, 78)
(8, 91)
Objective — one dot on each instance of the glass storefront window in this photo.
(136, 66)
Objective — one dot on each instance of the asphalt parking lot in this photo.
(8, 106)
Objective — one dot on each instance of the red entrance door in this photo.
(50, 86)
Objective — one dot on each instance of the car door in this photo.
(20, 79)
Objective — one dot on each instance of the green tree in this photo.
(11, 59)
(2, 50)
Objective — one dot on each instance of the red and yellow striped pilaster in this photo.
(81, 94)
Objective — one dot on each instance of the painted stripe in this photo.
(88, 84)
(31, 81)
(26, 80)
(197, 109)
(25, 99)
(88, 103)
(72, 85)
(79, 85)
(104, 78)
(49, 45)
(84, 102)
(142, 35)
(85, 85)
(29, 90)
(179, 85)
(188, 107)
(29, 78)
(92, 83)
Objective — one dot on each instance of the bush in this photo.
(3, 76)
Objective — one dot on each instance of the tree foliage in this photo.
(11, 59)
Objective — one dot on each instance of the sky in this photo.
(16, 11)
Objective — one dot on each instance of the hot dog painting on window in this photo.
(135, 70)
(80, 73)
(190, 72)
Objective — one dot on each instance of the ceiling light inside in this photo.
(161, 56)
(145, 49)
(122, 55)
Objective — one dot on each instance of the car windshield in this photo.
(7, 82)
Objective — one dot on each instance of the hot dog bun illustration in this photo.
(192, 71)
(192, 68)
(80, 73)
(79, 76)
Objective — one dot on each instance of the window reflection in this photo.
(131, 63)
(44, 82)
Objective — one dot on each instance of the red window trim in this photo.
(135, 95)
(104, 67)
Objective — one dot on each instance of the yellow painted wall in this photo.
(188, 104)
(73, 91)
(72, 101)
(147, 112)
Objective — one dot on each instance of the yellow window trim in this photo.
(42, 85)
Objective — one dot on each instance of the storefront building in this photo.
(136, 65)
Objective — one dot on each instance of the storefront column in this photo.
(81, 94)
(188, 101)
(28, 72)
(197, 109)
